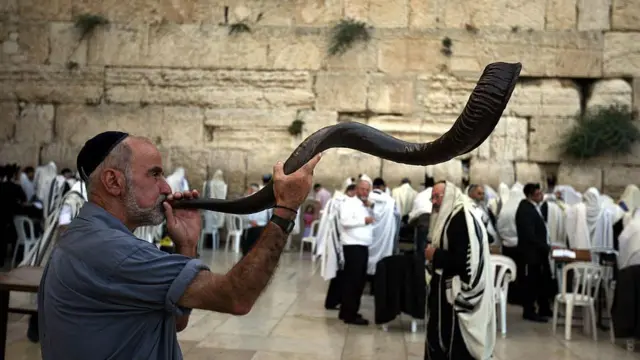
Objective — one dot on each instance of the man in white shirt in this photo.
(356, 233)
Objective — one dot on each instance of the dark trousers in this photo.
(356, 258)
(334, 293)
(535, 288)
(247, 242)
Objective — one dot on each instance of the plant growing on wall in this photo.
(603, 130)
(295, 128)
(346, 33)
(85, 24)
(446, 46)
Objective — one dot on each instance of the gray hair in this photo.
(119, 158)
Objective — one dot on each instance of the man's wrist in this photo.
(190, 251)
(285, 213)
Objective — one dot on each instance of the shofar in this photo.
(478, 119)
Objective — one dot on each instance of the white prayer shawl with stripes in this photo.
(577, 227)
(556, 223)
(328, 243)
(384, 229)
(473, 302)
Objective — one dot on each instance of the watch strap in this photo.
(285, 224)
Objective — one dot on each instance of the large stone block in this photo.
(35, 124)
(527, 172)
(339, 164)
(409, 129)
(23, 154)
(491, 172)
(147, 11)
(594, 15)
(621, 54)
(426, 14)
(610, 92)
(625, 15)
(509, 139)
(616, 178)
(546, 98)
(543, 54)
(390, 94)
(443, 95)
(636, 93)
(67, 44)
(261, 160)
(561, 15)
(316, 120)
(393, 173)
(64, 155)
(214, 88)
(119, 44)
(341, 91)
(399, 52)
(296, 49)
(545, 137)
(182, 126)
(201, 45)
(51, 84)
(581, 177)
(8, 119)
(75, 124)
(24, 43)
(388, 14)
(495, 13)
(318, 12)
(58, 10)
(449, 171)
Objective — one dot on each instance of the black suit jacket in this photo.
(532, 233)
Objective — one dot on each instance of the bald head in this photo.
(363, 188)
(437, 194)
(130, 183)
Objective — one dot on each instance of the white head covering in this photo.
(631, 197)
(593, 202)
(421, 204)
(503, 191)
(506, 224)
(176, 180)
(452, 199)
(569, 195)
(366, 178)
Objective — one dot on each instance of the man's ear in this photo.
(113, 182)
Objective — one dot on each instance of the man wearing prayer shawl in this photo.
(461, 321)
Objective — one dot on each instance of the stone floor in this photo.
(289, 322)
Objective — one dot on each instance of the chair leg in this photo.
(503, 314)
(301, 248)
(592, 315)
(554, 324)
(568, 320)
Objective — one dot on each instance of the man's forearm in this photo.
(183, 321)
(251, 275)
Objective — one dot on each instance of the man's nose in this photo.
(165, 189)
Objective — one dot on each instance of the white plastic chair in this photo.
(28, 241)
(234, 227)
(504, 270)
(586, 284)
(311, 239)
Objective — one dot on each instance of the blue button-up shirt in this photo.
(106, 294)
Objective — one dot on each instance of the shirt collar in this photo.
(96, 214)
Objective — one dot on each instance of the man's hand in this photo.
(292, 190)
(369, 220)
(429, 251)
(253, 223)
(183, 225)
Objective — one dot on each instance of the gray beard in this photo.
(143, 216)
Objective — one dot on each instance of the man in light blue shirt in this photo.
(106, 294)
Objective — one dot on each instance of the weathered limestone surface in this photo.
(170, 71)
(621, 54)
(580, 177)
(529, 172)
(625, 15)
(491, 172)
(616, 178)
(594, 15)
(51, 84)
(609, 92)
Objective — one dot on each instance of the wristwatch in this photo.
(285, 224)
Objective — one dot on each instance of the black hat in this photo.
(95, 150)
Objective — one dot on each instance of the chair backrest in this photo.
(504, 270)
(586, 278)
(315, 226)
(19, 222)
(234, 222)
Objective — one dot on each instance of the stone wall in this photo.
(170, 70)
